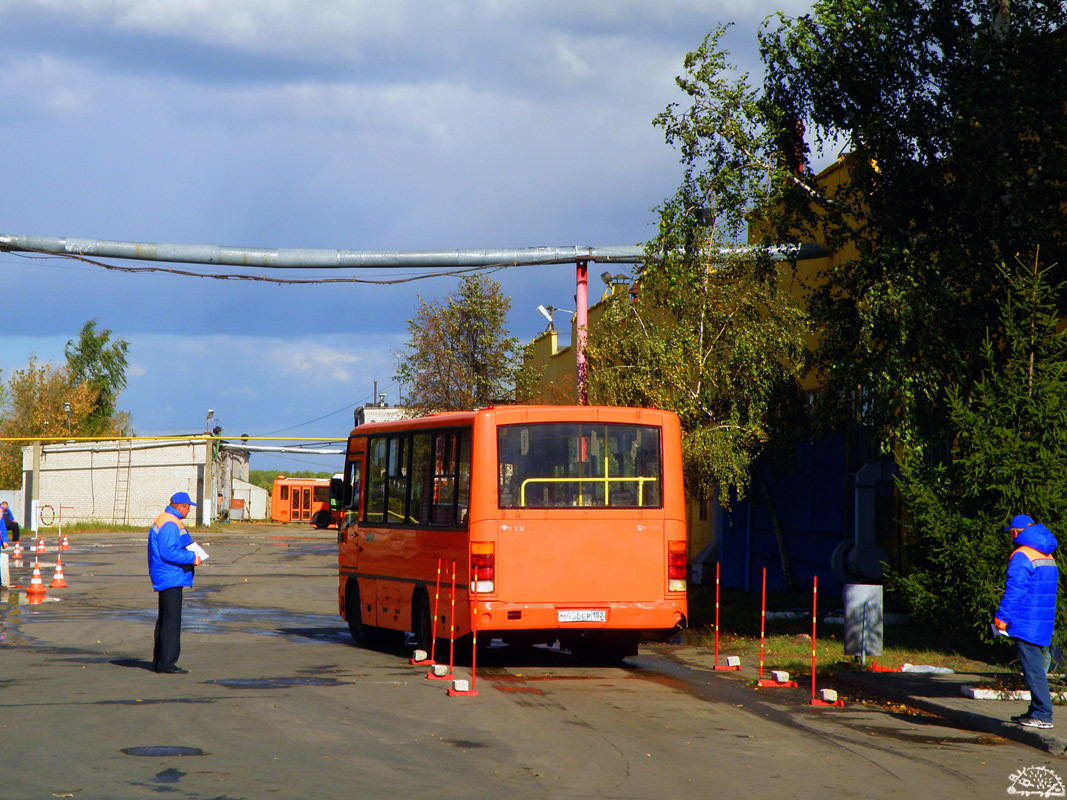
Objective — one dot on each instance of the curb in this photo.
(947, 709)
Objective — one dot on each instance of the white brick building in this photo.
(128, 482)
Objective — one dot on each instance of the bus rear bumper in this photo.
(655, 620)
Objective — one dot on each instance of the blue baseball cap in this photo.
(1019, 521)
(182, 498)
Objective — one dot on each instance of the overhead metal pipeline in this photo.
(298, 258)
(301, 258)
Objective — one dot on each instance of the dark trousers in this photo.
(168, 639)
(13, 529)
(1035, 662)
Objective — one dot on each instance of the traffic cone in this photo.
(17, 555)
(36, 586)
(65, 545)
(40, 547)
(58, 581)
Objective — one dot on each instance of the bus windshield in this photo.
(593, 465)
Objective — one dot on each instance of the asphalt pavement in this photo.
(942, 695)
(939, 694)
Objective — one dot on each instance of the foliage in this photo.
(1009, 435)
(954, 117)
(35, 401)
(34, 407)
(98, 362)
(459, 355)
(711, 335)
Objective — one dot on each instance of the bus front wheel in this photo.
(321, 520)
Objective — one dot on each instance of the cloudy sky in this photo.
(336, 124)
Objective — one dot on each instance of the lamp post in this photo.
(581, 319)
(66, 411)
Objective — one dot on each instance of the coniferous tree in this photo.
(1008, 434)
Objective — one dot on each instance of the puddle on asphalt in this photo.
(465, 744)
(162, 751)
(168, 776)
(277, 683)
(188, 700)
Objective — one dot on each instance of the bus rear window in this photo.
(593, 465)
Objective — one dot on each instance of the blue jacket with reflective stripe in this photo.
(1029, 602)
(169, 563)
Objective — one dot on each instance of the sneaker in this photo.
(1032, 722)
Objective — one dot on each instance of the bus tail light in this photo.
(676, 566)
(483, 567)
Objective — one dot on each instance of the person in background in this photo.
(170, 565)
(7, 523)
(1027, 611)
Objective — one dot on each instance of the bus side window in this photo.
(352, 486)
(422, 473)
(374, 509)
(444, 481)
(464, 493)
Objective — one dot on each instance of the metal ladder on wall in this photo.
(123, 465)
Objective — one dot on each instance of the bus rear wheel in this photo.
(422, 622)
(354, 615)
(321, 520)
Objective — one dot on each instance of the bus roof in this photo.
(513, 414)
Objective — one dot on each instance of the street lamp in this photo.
(66, 410)
(549, 313)
(611, 281)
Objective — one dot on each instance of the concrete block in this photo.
(733, 661)
(976, 693)
(420, 655)
(440, 670)
(780, 675)
(828, 695)
(461, 685)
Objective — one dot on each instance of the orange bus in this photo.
(305, 500)
(565, 524)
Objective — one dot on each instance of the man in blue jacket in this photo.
(8, 524)
(170, 565)
(1027, 612)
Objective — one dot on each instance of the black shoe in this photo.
(173, 671)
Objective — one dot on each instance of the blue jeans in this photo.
(1035, 661)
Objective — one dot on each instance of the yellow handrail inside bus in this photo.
(606, 481)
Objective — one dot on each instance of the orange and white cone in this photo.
(65, 544)
(58, 581)
(36, 586)
(17, 555)
(40, 547)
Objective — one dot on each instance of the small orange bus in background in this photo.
(565, 524)
(305, 500)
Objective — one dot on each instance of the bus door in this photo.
(300, 503)
(349, 536)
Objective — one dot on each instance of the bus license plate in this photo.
(581, 615)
